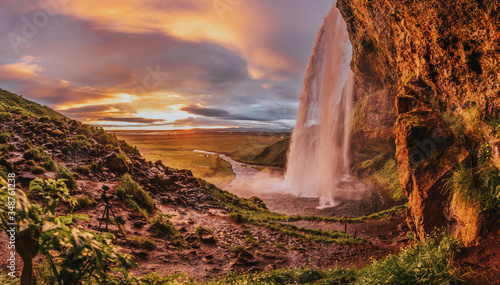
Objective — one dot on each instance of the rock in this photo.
(120, 220)
(426, 153)
(186, 172)
(207, 237)
(116, 163)
(244, 259)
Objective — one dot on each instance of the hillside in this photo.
(17, 104)
(274, 155)
(173, 221)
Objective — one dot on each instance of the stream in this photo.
(272, 190)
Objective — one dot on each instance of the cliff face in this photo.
(423, 66)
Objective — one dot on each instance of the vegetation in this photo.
(13, 103)
(273, 155)
(422, 263)
(84, 169)
(134, 196)
(75, 254)
(85, 201)
(5, 116)
(145, 243)
(67, 176)
(199, 231)
(5, 136)
(37, 169)
(163, 227)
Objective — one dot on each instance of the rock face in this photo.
(430, 58)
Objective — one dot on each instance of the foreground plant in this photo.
(74, 254)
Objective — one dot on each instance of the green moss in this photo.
(16, 104)
(360, 114)
(388, 178)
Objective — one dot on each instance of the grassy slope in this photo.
(17, 104)
(273, 155)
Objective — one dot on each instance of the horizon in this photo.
(161, 65)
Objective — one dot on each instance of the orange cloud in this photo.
(234, 27)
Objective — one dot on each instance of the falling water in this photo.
(318, 162)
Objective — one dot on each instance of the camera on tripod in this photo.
(104, 197)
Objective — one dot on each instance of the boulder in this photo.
(116, 163)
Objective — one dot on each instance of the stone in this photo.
(426, 153)
(116, 163)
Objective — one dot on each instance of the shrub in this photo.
(6, 147)
(49, 163)
(163, 227)
(129, 191)
(84, 202)
(145, 243)
(5, 136)
(80, 142)
(27, 144)
(84, 170)
(34, 153)
(5, 116)
(67, 175)
(37, 169)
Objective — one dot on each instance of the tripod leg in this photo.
(121, 230)
(102, 218)
(107, 218)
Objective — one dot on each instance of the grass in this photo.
(388, 178)
(163, 227)
(134, 196)
(145, 243)
(175, 149)
(5, 116)
(422, 263)
(67, 175)
(14, 103)
(37, 169)
(85, 202)
(84, 169)
(5, 136)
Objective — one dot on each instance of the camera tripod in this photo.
(105, 215)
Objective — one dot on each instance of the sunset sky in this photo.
(161, 64)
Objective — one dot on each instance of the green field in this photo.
(175, 149)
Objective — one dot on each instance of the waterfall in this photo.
(318, 160)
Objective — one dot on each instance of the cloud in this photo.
(161, 60)
(132, 120)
